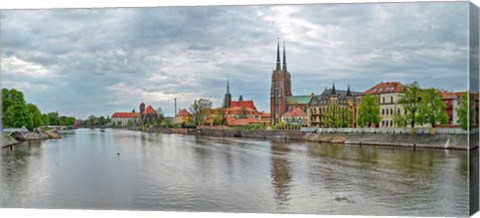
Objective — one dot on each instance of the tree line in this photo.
(18, 113)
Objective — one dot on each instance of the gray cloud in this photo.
(98, 61)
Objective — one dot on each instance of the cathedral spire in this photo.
(278, 55)
(228, 86)
(284, 58)
(349, 93)
(334, 92)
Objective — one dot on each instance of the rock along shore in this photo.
(7, 140)
(439, 141)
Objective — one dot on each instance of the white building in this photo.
(125, 118)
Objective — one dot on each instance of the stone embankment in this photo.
(15, 138)
(405, 139)
(7, 140)
(444, 141)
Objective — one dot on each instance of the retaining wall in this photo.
(444, 141)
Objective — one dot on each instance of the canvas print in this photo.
(351, 109)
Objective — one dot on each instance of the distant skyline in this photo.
(100, 61)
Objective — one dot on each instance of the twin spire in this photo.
(284, 68)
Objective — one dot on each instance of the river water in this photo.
(120, 169)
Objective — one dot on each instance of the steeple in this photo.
(278, 56)
(284, 58)
(334, 92)
(228, 97)
(349, 93)
(228, 86)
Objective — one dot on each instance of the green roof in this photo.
(300, 99)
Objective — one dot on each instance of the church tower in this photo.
(281, 87)
(228, 97)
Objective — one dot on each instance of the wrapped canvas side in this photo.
(474, 89)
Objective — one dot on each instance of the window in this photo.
(391, 99)
(383, 99)
(383, 111)
(391, 111)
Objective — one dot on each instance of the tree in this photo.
(432, 109)
(368, 111)
(11, 97)
(36, 116)
(412, 95)
(17, 116)
(219, 117)
(53, 118)
(101, 120)
(345, 117)
(197, 110)
(92, 120)
(165, 123)
(46, 120)
(465, 111)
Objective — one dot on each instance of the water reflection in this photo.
(177, 172)
(281, 175)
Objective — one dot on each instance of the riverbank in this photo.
(17, 137)
(438, 141)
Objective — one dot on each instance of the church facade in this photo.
(281, 99)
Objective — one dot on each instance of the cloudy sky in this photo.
(98, 61)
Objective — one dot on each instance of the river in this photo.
(128, 170)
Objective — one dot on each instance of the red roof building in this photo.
(125, 118)
(182, 116)
(247, 103)
(388, 87)
(149, 110)
(295, 116)
(125, 115)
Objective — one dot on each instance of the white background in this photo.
(32, 4)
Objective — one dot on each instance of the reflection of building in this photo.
(281, 176)
(388, 95)
(125, 118)
(182, 116)
(333, 108)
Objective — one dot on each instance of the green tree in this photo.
(11, 97)
(465, 111)
(412, 95)
(102, 121)
(36, 116)
(46, 120)
(432, 109)
(17, 116)
(197, 109)
(92, 121)
(165, 123)
(368, 111)
(219, 117)
(53, 118)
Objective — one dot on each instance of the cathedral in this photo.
(281, 98)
